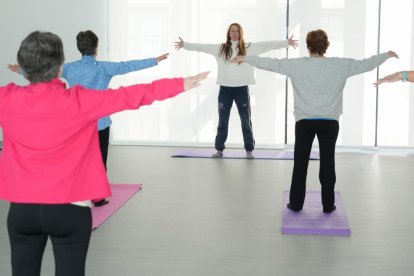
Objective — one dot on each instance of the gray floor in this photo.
(223, 217)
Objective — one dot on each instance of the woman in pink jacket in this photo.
(50, 164)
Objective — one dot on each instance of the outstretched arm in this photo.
(212, 49)
(258, 48)
(355, 67)
(194, 81)
(397, 76)
(281, 66)
(95, 105)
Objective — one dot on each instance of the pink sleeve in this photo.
(96, 104)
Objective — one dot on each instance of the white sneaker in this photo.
(218, 154)
(249, 155)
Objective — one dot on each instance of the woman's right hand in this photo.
(238, 59)
(179, 44)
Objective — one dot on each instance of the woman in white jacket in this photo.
(234, 80)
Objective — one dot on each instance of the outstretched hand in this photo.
(179, 44)
(390, 78)
(194, 81)
(293, 42)
(162, 57)
(238, 59)
(14, 67)
(392, 54)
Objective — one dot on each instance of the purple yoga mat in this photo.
(311, 220)
(121, 193)
(240, 154)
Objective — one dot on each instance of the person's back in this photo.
(318, 82)
(52, 138)
(86, 72)
(50, 157)
(93, 74)
(318, 85)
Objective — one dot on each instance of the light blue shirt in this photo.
(93, 74)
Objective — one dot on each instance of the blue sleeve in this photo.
(124, 67)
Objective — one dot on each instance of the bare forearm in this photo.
(397, 76)
(410, 76)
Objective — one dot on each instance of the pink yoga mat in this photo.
(311, 220)
(121, 193)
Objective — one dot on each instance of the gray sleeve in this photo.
(355, 67)
(281, 66)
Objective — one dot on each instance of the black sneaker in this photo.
(218, 154)
(101, 202)
(327, 211)
(293, 209)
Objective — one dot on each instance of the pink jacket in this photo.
(50, 141)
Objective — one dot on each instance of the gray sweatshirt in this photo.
(318, 82)
(231, 74)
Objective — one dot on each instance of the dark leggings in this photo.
(305, 131)
(104, 143)
(30, 225)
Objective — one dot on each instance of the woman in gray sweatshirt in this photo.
(318, 85)
(234, 80)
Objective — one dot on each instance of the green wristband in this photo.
(404, 76)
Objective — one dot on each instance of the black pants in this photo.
(104, 143)
(69, 229)
(327, 133)
(240, 95)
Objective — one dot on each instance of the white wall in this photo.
(65, 18)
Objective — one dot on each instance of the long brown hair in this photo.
(226, 51)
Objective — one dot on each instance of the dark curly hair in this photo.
(87, 43)
(317, 42)
(40, 56)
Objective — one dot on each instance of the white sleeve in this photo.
(212, 49)
(258, 48)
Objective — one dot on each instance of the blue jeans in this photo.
(240, 95)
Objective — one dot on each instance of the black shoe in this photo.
(293, 209)
(101, 202)
(327, 211)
